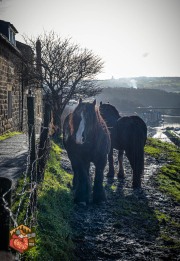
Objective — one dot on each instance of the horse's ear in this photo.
(94, 102)
(100, 102)
(80, 100)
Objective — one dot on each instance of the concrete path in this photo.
(13, 156)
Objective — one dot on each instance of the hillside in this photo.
(169, 84)
(129, 99)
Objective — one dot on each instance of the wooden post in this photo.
(5, 185)
(32, 146)
(42, 149)
(31, 134)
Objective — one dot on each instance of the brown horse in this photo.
(86, 139)
(128, 134)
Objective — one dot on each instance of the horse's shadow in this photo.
(133, 213)
(110, 230)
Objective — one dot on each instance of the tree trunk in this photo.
(57, 122)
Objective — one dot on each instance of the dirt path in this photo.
(127, 227)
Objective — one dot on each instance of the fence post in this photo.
(32, 146)
(5, 185)
(42, 149)
(31, 134)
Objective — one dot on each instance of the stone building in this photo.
(14, 87)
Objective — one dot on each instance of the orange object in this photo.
(20, 244)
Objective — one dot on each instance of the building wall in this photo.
(13, 94)
(9, 90)
(26, 51)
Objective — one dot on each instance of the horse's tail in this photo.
(135, 150)
(139, 139)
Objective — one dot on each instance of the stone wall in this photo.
(10, 95)
(13, 95)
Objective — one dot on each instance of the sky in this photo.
(133, 37)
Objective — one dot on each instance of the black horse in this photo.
(86, 139)
(128, 134)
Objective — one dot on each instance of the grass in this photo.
(168, 178)
(161, 217)
(170, 233)
(55, 205)
(9, 134)
(168, 181)
(53, 232)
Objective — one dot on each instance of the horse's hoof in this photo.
(136, 186)
(121, 175)
(99, 198)
(98, 202)
(110, 175)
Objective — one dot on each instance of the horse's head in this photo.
(109, 113)
(83, 119)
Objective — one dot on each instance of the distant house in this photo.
(14, 87)
(151, 117)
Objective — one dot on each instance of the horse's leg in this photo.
(75, 179)
(138, 168)
(110, 173)
(121, 168)
(82, 183)
(98, 190)
(137, 162)
(75, 171)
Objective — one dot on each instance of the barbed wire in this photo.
(29, 187)
(6, 206)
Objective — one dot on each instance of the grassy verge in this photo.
(53, 232)
(8, 135)
(168, 178)
(168, 181)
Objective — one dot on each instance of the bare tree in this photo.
(65, 70)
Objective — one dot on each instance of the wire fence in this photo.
(24, 210)
(33, 176)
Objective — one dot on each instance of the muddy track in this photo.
(126, 226)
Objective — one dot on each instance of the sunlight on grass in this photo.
(113, 188)
(54, 209)
(9, 134)
(168, 178)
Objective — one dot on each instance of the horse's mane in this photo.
(95, 118)
(100, 119)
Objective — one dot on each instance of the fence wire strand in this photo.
(29, 188)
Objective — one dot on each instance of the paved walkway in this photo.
(13, 156)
